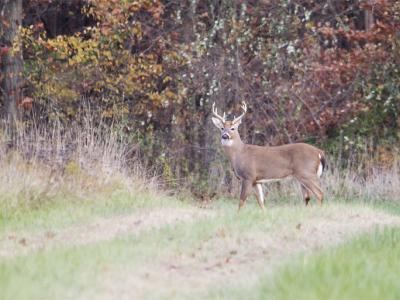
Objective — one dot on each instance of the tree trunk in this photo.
(369, 17)
(10, 61)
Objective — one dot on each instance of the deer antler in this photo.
(215, 113)
(244, 107)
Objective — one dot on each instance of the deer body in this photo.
(255, 165)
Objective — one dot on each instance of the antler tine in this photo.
(215, 113)
(244, 107)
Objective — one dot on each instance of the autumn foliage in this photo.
(315, 71)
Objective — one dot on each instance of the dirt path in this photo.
(100, 230)
(223, 259)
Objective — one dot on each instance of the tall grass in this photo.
(77, 162)
(379, 184)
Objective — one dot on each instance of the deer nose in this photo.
(225, 136)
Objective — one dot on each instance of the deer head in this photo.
(229, 129)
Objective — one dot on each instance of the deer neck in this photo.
(233, 148)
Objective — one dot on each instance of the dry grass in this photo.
(75, 163)
(380, 184)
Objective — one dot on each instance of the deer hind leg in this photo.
(312, 186)
(306, 194)
(259, 195)
(245, 191)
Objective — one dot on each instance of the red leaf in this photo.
(4, 51)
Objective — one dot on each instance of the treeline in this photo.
(319, 71)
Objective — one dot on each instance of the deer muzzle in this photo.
(225, 136)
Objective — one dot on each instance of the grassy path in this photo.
(101, 229)
(177, 251)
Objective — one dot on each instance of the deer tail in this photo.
(322, 164)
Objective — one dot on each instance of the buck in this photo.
(255, 165)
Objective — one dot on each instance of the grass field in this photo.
(161, 248)
(98, 226)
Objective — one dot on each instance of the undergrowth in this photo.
(57, 164)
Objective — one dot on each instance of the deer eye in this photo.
(222, 128)
(232, 128)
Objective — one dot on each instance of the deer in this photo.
(254, 165)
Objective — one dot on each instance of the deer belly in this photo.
(272, 179)
(268, 180)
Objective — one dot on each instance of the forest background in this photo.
(147, 72)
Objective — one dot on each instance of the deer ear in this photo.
(217, 122)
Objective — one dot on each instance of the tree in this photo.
(313, 71)
(10, 60)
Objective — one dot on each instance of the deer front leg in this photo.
(245, 191)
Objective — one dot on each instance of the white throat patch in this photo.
(227, 143)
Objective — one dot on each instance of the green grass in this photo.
(387, 206)
(62, 213)
(365, 268)
(64, 273)
(46, 273)
(43, 274)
